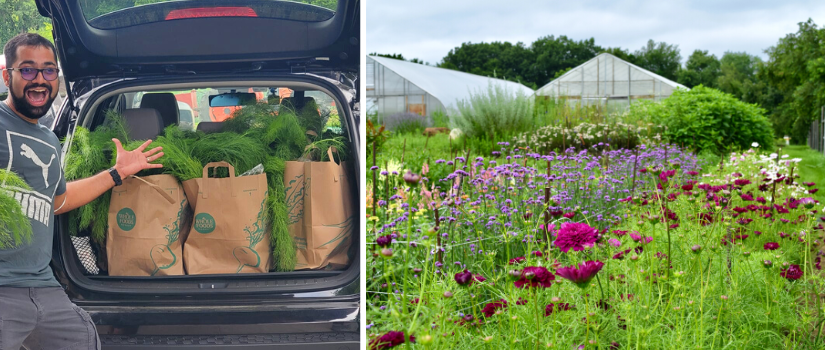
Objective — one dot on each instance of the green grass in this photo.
(811, 168)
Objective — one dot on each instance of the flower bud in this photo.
(634, 257)
(768, 263)
(515, 273)
(529, 275)
(386, 252)
(696, 248)
(448, 294)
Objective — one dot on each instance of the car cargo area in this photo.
(257, 193)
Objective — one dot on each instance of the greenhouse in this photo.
(395, 86)
(609, 81)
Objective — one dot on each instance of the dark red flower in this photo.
(792, 273)
(809, 184)
(388, 340)
(490, 309)
(818, 262)
(537, 253)
(569, 215)
(815, 190)
(479, 278)
(771, 246)
(517, 260)
(741, 182)
(761, 200)
(746, 197)
(692, 173)
(464, 278)
(582, 274)
(620, 255)
(688, 187)
(619, 232)
(383, 241)
(576, 236)
(556, 213)
(548, 310)
(535, 276)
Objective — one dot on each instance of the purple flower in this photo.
(582, 275)
(533, 276)
(577, 236)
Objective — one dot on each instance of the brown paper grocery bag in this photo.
(322, 220)
(147, 222)
(229, 229)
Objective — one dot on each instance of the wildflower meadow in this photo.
(597, 247)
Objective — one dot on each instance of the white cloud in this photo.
(429, 29)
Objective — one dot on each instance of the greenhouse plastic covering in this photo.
(609, 78)
(395, 86)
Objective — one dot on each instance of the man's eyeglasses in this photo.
(28, 73)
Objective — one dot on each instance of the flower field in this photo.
(642, 248)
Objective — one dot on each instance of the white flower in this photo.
(755, 144)
(796, 160)
(773, 156)
(785, 156)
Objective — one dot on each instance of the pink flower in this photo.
(533, 276)
(576, 236)
(517, 260)
(615, 242)
(581, 275)
(635, 237)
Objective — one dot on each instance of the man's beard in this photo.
(25, 108)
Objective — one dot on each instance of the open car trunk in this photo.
(271, 89)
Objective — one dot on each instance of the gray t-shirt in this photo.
(32, 151)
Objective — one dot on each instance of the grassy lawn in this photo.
(811, 168)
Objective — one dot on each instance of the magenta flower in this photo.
(464, 278)
(490, 309)
(576, 236)
(383, 241)
(615, 242)
(771, 246)
(581, 275)
(535, 276)
(741, 182)
(517, 260)
(747, 197)
(569, 215)
(548, 310)
(792, 273)
(388, 340)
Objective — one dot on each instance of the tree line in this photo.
(789, 85)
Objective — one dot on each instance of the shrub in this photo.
(440, 119)
(493, 113)
(708, 119)
(405, 122)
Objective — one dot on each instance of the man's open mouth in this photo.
(37, 96)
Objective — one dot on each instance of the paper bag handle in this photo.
(157, 188)
(329, 153)
(220, 164)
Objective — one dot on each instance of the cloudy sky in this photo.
(429, 29)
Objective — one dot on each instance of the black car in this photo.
(112, 52)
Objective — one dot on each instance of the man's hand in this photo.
(132, 162)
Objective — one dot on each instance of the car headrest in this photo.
(210, 127)
(143, 123)
(165, 103)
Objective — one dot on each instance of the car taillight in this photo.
(201, 12)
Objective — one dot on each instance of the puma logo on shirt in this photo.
(29, 153)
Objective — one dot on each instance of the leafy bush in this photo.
(405, 122)
(493, 113)
(708, 119)
(440, 119)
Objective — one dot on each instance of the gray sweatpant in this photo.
(43, 318)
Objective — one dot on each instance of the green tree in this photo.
(738, 70)
(20, 16)
(796, 68)
(660, 58)
(554, 54)
(398, 56)
(700, 69)
(497, 59)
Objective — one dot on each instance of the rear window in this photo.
(111, 14)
